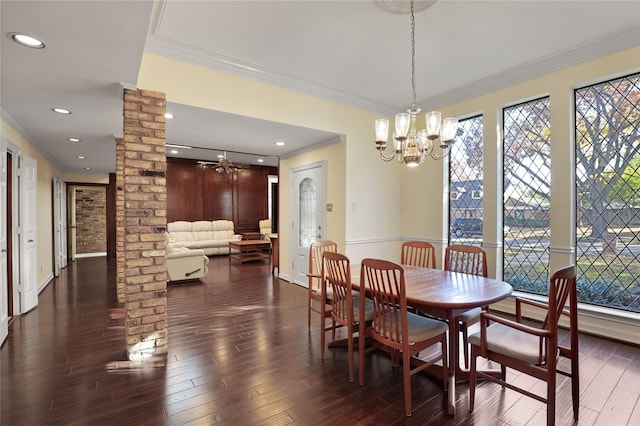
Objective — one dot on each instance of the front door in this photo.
(307, 215)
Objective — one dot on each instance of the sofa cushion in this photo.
(179, 232)
(179, 226)
(202, 230)
(222, 225)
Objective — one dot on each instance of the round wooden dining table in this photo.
(447, 295)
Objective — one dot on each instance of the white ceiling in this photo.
(354, 52)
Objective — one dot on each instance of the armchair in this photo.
(532, 350)
(185, 264)
(265, 228)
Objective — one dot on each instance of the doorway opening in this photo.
(87, 207)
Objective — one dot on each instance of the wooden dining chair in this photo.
(532, 350)
(348, 308)
(418, 253)
(395, 328)
(469, 260)
(319, 299)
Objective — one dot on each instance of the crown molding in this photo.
(168, 46)
(626, 38)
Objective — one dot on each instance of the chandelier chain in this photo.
(413, 60)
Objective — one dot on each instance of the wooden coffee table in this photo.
(248, 250)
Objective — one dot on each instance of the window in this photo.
(527, 189)
(465, 179)
(307, 219)
(608, 193)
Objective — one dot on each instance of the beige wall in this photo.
(377, 204)
(384, 203)
(46, 172)
(358, 183)
(100, 178)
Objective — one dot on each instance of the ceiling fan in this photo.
(222, 166)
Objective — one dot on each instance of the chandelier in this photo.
(222, 166)
(412, 146)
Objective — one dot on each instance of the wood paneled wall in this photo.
(200, 193)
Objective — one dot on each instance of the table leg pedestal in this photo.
(453, 366)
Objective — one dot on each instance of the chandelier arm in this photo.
(386, 158)
(445, 153)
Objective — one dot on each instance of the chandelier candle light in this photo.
(412, 146)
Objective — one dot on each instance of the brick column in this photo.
(145, 221)
(120, 277)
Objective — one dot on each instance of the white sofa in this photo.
(212, 236)
(185, 264)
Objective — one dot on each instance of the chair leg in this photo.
(406, 377)
(323, 332)
(350, 351)
(575, 384)
(309, 313)
(551, 402)
(361, 346)
(472, 379)
(333, 329)
(465, 344)
(503, 373)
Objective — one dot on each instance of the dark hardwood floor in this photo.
(240, 354)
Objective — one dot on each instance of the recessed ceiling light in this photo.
(174, 151)
(27, 40)
(168, 115)
(81, 157)
(61, 110)
(260, 160)
(87, 168)
(220, 156)
(280, 143)
(74, 139)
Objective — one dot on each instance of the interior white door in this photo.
(63, 236)
(308, 195)
(71, 244)
(28, 205)
(59, 229)
(4, 299)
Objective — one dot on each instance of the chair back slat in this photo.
(316, 249)
(385, 283)
(338, 273)
(562, 287)
(466, 259)
(418, 253)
